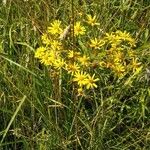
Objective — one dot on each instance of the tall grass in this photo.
(113, 116)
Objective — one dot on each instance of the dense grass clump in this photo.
(74, 74)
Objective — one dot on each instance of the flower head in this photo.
(96, 43)
(45, 39)
(78, 29)
(90, 82)
(92, 20)
(59, 63)
(48, 58)
(55, 28)
(119, 69)
(56, 45)
(73, 54)
(84, 60)
(72, 68)
(40, 52)
(80, 78)
(135, 64)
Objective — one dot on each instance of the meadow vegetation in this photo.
(75, 75)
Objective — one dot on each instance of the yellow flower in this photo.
(135, 64)
(113, 39)
(59, 63)
(118, 56)
(45, 39)
(84, 60)
(45, 60)
(122, 35)
(92, 20)
(55, 28)
(126, 37)
(90, 82)
(96, 43)
(78, 29)
(73, 54)
(40, 52)
(119, 69)
(72, 68)
(131, 53)
(52, 56)
(56, 45)
(80, 78)
(81, 92)
(48, 58)
(131, 41)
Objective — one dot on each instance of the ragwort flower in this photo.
(78, 29)
(92, 20)
(80, 77)
(96, 43)
(40, 52)
(59, 63)
(72, 68)
(135, 64)
(45, 39)
(55, 28)
(90, 82)
(73, 54)
(84, 60)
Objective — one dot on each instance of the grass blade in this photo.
(13, 117)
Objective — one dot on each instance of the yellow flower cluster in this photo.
(118, 37)
(53, 53)
(113, 51)
(120, 56)
(84, 79)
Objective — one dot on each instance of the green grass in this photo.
(115, 116)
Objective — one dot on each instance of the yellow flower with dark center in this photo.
(78, 29)
(90, 82)
(92, 20)
(55, 28)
